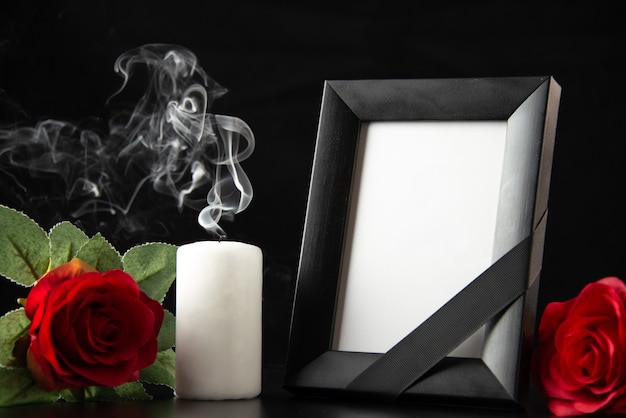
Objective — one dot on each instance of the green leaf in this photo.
(19, 388)
(100, 254)
(13, 327)
(65, 241)
(24, 251)
(73, 395)
(167, 334)
(162, 371)
(127, 391)
(132, 391)
(98, 393)
(153, 266)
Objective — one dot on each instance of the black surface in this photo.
(273, 403)
(56, 60)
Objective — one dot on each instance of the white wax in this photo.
(218, 320)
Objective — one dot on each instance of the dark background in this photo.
(56, 60)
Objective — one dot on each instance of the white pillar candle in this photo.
(218, 320)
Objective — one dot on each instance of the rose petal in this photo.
(39, 368)
(553, 316)
(618, 286)
(597, 299)
(563, 408)
(40, 290)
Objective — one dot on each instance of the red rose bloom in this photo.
(90, 328)
(580, 362)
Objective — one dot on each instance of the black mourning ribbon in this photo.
(407, 361)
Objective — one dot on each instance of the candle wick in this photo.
(221, 237)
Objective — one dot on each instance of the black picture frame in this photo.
(418, 369)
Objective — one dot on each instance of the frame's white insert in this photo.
(434, 187)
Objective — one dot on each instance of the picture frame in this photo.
(519, 114)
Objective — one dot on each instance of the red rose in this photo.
(580, 362)
(90, 328)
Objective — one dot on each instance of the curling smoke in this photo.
(167, 141)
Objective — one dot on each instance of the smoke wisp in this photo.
(166, 142)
